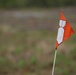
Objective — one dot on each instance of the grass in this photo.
(21, 64)
(33, 60)
(6, 65)
(30, 51)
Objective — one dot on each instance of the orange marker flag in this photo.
(64, 31)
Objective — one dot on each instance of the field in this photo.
(27, 42)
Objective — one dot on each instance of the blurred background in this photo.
(28, 31)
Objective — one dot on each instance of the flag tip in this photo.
(62, 10)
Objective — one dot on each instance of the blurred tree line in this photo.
(35, 3)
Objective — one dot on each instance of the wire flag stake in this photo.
(54, 62)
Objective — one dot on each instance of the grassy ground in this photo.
(27, 44)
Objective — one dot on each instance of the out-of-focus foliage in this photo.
(35, 3)
(27, 39)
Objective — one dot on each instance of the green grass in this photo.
(26, 49)
(21, 63)
(33, 60)
(6, 65)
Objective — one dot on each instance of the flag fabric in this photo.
(64, 31)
